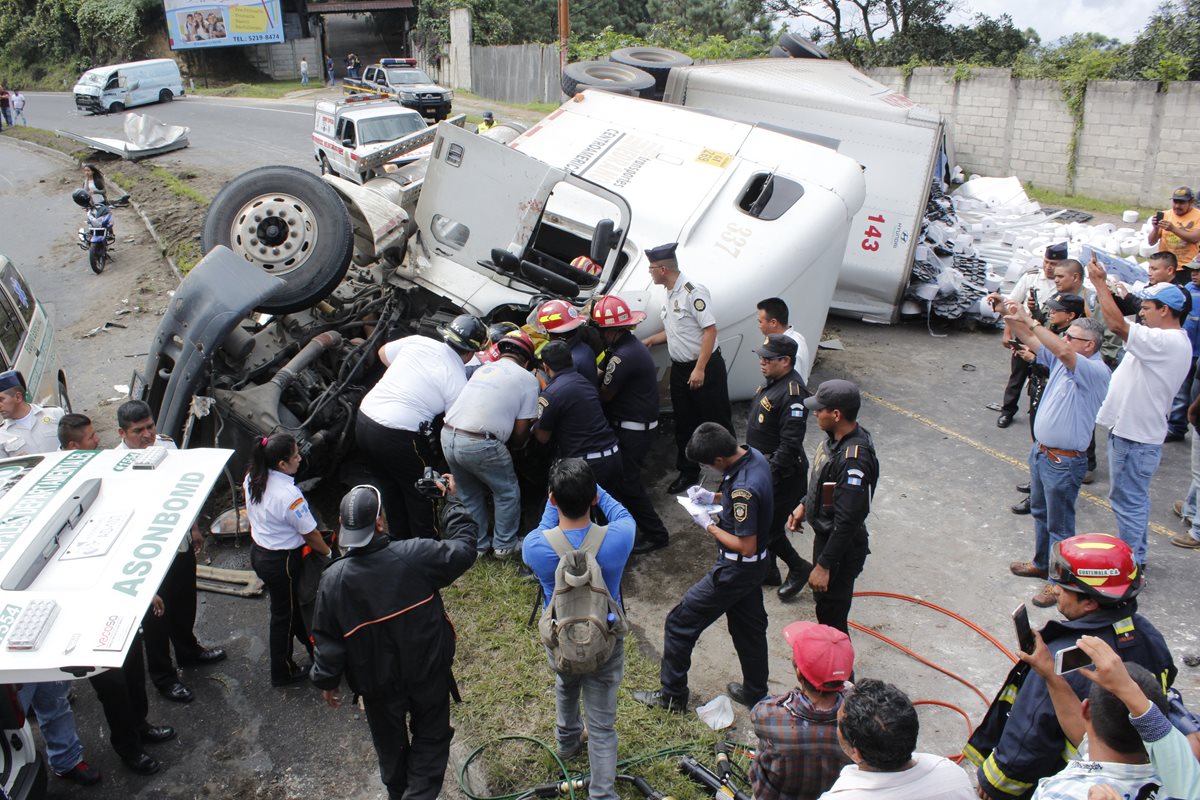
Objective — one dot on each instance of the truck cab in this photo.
(345, 133)
(401, 80)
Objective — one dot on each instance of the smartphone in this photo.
(1158, 217)
(1070, 659)
(1013, 344)
(1025, 639)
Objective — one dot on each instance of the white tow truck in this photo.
(348, 134)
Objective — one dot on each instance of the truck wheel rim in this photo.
(276, 232)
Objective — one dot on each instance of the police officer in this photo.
(562, 321)
(733, 586)
(28, 428)
(699, 390)
(423, 378)
(629, 392)
(569, 410)
(840, 488)
(775, 427)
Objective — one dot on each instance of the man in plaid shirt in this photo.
(798, 752)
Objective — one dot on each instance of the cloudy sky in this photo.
(1122, 19)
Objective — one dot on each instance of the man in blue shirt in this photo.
(573, 492)
(733, 587)
(1066, 418)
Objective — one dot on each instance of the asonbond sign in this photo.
(86, 530)
(222, 23)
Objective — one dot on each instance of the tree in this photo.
(731, 19)
(847, 21)
(1168, 48)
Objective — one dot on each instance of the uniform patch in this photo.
(610, 368)
(542, 405)
(852, 452)
(299, 501)
(854, 477)
(765, 403)
(698, 304)
(797, 410)
(741, 494)
(762, 418)
(740, 511)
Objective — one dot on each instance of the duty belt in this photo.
(715, 353)
(601, 454)
(1054, 454)
(637, 426)
(469, 434)
(744, 559)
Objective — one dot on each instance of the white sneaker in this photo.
(502, 553)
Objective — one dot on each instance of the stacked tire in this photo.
(633, 71)
(792, 46)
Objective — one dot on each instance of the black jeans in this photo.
(709, 403)
(833, 605)
(397, 460)
(122, 695)
(635, 445)
(412, 754)
(1018, 372)
(175, 626)
(280, 571)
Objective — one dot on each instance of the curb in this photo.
(133, 203)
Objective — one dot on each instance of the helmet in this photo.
(498, 330)
(611, 311)
(586, 265)
(516, 343)
(1096, 564)
(81, 198)
(558, 316)
(465, 333)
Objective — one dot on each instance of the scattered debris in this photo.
(145, 136)
(102, 329)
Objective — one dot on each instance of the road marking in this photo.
(203, 100)
(1094, 499)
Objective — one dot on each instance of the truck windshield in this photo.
(385, 129)
(397, 77)
(92, 78)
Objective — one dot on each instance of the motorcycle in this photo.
(97, 234)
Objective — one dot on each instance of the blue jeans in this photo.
(1053, 488)
(479, 465)
(1191, 505)
(599, 691)
(1132, 465)
(1177, 420)
(57, 721)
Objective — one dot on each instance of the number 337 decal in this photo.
(871, 235)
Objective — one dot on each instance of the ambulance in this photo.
(347, 133)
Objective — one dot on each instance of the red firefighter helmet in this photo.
(610, 311)
(558, 316)
(1096, 564)
(587, 266)
(516, 342)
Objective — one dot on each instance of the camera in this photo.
(431, 484)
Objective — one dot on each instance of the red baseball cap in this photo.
(823, 655)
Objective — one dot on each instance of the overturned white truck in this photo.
(306, 277)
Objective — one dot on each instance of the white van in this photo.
(27, 340)
(346, 133)
(111, 90)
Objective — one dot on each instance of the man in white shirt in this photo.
(423, 379)
(1157, 354)
(877, 727)
(496, 408)
(27, 428)
(773, 318)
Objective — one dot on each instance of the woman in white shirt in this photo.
(280, 526)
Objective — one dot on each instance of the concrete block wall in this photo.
(1136, 143)
(282, 61)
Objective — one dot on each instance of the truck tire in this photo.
(165, 96)
(288, 223)
(799, 47)
(323, 161)
(779, 52)
(658, 61)
(116, 108)
(607, 76)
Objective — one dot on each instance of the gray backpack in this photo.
(582, 622)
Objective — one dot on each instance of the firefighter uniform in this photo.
(732, 587)
(840, 487)
(775, 426)
(631, 380)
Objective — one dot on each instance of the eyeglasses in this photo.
(1076, 338)
(771, 358)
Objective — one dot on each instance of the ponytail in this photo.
(265, 453)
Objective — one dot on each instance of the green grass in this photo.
(48, 139)
(177, 186)
(1082, 203)
(508, 690)
(542, 108)
(186, 254)
(268, 89)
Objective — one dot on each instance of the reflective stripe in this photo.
(1001, 782)
(1009, 695)
(1122, 626)
(973, 755)
(393, 615)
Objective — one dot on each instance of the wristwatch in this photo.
(1033, 323)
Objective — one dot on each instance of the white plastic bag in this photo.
(716, 713)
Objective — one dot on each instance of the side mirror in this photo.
(135, 85)
(347, 143)
(505, 260)
(602, 241)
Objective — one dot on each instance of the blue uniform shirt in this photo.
(614, 550)
(630, 373)
(584, 360)
(1066, 415)
(1191, 325)
(747, 499)
(570, 409)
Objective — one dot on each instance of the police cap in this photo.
(11, 380)
(777, 345)
(1056, 251)
(663, 252)
(1065, 301)
(839, 394)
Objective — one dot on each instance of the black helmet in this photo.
(81, 198)
(465, 333)
(498, 330)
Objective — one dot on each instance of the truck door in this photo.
(479, 194)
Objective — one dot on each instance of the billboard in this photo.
(222, 23)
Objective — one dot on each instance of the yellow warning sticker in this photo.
(715, 158)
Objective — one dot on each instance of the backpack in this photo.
(582, 622)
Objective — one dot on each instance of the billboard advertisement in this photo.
(222, 23)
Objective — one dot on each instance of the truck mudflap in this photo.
(215, 296)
